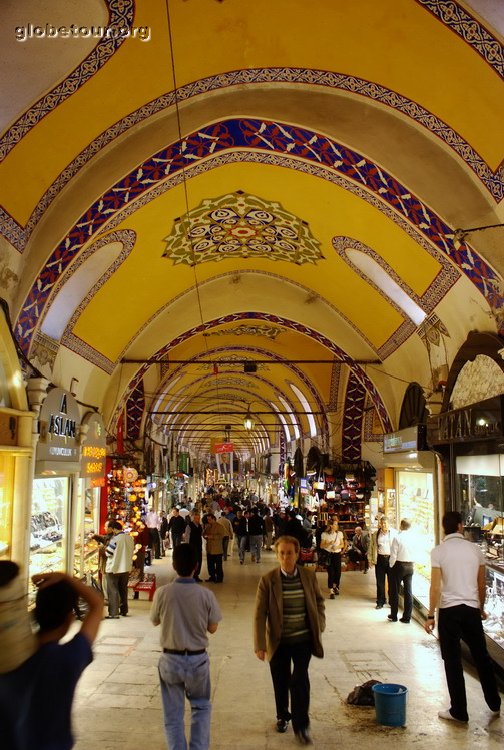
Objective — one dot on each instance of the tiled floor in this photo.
(118, 706)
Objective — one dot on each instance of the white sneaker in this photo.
(448, 716)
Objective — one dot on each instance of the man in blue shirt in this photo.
(186, 612)
(36, 698)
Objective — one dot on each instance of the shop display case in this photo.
(86, 524)
(480, 499)
(6, 471)
(48, 525)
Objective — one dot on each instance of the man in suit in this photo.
(289, 620)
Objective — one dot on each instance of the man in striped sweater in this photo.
(289, 620)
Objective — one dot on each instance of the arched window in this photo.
(386, 284)
(306, 406)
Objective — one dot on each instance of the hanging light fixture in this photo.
(248, 422)
(460, 235)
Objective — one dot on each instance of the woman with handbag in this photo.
(334, 543)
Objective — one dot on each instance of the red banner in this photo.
(223, 448)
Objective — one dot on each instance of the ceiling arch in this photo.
(118, 186)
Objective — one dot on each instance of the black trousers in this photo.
(292, 681)
(402, 572)
(334, 569)
(214, 565)
(382, 572)
(155, 542)
(464, 623)
(199, 553)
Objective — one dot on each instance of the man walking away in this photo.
(186, 613)
(458, 591)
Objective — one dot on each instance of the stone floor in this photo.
(118, 706)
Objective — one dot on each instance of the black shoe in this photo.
(210, 580)
(112, 617)
(392, 619)
(379, 606)
(303, 736)
(282, 725)
(406, 622)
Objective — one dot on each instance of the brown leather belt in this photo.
(184, 652)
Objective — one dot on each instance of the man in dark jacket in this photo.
(256, 532)
(176, 527)
(194, 536)
(289, 620)
(240, 532)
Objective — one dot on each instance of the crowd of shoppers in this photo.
(289, 616)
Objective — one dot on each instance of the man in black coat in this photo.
(176, 527)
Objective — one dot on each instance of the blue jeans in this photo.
(242, 543)
(255, 546)
(186, 676)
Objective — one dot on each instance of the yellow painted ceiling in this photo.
(145, 301)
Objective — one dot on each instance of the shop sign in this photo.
(59, 424)
(93, 450)
(481, 421)
(183, 463)
(409, 439)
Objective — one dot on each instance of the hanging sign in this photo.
(183, 463)
(59, 425)
(408, 439)
(93, 450)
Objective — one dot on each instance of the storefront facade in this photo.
(471, 441)
(409, 490)
(55, 485)
(87, 505)
(16, 451)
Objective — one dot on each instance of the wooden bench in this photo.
(148, 585)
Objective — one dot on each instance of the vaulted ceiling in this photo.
(229, 183)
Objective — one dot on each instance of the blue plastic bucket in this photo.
(390, 704)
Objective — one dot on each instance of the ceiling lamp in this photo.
(460, 235)
(248, 422)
